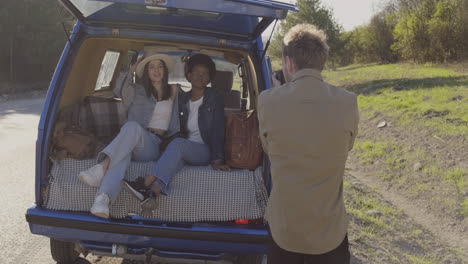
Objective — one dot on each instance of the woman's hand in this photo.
(220, 165)
(134, 65)
(176, 89)
(149, 179)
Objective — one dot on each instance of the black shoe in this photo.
(137, 188)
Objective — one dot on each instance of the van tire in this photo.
(249, 259)
(80, 261)
(63, 252)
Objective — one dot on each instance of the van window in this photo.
(108, 65)
(129, 59)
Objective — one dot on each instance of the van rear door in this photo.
(224, 19)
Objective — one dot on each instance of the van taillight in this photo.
(258, 221)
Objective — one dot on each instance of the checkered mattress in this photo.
(196, 194)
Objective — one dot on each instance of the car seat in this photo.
(223, 82)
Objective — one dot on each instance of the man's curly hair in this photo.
(307, 46)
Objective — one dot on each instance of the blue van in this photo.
(109, 35)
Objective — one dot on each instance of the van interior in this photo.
(198, 194)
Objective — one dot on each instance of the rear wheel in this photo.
(249, 259)
(63, 252)
(80, 261)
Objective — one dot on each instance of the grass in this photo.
(422, 259)
(390, 237)
(431, 96)
(368, 152)
(395, 163)
(359, 209)
(432, 170)
(419, 188)
(375, 74)
(456, 175)
(359, 206)
(391, 154)
(237, 84)
(464, 209)
(435, 108)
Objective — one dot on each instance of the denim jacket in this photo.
(210, 120)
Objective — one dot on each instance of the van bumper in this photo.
(85, 228)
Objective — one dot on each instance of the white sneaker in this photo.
(92, 176)
(101, 206)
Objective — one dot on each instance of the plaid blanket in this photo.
(196, 194)
(106, 116)
(99, 116)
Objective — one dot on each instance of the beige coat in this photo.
(307, 128)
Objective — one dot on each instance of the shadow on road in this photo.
(31, 106)
(375, 86)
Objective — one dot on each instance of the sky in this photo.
(348, 13)
(352, 13)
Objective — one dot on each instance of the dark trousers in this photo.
(339, 255)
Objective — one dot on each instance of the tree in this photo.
(33, 39)
(431, 30)
(443, 29)
(372, 42)
(381, 36)
(312, 12)
(462, 25)
(411, 31)
(418, 30)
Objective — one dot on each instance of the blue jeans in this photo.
(132, 143)
(179, 152)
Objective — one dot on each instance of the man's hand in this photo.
(274, 80)
(220, 165)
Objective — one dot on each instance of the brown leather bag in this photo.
(73, 142)
(242, 145)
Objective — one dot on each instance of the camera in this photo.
(279, 76)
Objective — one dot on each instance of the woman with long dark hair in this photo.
(150, 118)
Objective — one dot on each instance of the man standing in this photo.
(307, 128)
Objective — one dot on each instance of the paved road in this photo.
(18, 130)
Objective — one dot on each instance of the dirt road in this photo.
(18, 130)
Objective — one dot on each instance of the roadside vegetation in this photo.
(420, 31)
(414, 125)
(412, 140)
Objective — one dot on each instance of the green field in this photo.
(432, 96)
